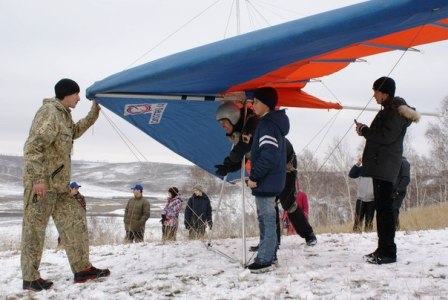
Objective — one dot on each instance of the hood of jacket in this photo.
(403, 109)
(279, 118)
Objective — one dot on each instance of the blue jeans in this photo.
(268, 233)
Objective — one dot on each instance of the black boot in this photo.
(91, 273)
(37, 285)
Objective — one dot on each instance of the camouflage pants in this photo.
(71, 223)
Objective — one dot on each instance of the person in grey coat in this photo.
(382, 161)
(365, 205)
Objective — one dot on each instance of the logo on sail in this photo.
(155, 110)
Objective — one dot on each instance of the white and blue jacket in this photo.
(268, 154)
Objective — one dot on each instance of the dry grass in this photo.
(428, 217)
(109, 231)
(419, 218)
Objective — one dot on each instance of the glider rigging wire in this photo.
(171, 34)
(365, 107)
(134, 150)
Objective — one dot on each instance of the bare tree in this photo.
(437, 135)
(340, 162)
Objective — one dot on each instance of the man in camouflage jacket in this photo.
(47, 171)
(136, 214)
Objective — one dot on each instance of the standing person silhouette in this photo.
(46, 178)
(382, 160)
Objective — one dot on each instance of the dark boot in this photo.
(311, 240)
(91, 273)
(37, 285)
(254, 248)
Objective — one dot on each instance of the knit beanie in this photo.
(267, 95)
(198, 187)
(174, 191)
(65, 87)
(385, 85)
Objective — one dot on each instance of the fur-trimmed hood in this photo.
(409, 113)
(403, 108)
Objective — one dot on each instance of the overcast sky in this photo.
(44, 41)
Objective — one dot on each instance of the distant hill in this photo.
(110, 177)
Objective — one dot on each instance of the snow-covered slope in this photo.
(333, 269)
(103, 179)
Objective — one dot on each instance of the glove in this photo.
(210, 225)
(395, 195)
(221, 170)
(163, 219)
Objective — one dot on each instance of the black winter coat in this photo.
(404, 176)
(240, 148)
(198, 212)
(384, 140)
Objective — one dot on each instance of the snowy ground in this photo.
(333, 269)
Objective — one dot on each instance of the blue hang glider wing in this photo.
(174, 99)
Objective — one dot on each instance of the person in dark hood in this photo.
(198, 213)
(267, 173)
(382, 161)
(400, 188)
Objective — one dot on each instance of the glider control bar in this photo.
(160, 97)
(431, 114)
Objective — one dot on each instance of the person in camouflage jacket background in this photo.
(136, 214)
(47, 171)
(74, 191)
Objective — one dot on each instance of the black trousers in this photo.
(385, 220)
(287, 199)
(364, 213)
(278, 225)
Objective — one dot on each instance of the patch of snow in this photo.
(333, 269)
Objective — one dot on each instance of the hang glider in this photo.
(174, 99)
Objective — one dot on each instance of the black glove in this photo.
(163, 219)
(394, 195)
(210, 225)
(221, 170)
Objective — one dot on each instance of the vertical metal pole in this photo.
(243, 229)
(238, 29)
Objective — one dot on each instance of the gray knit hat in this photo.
(198, 187)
